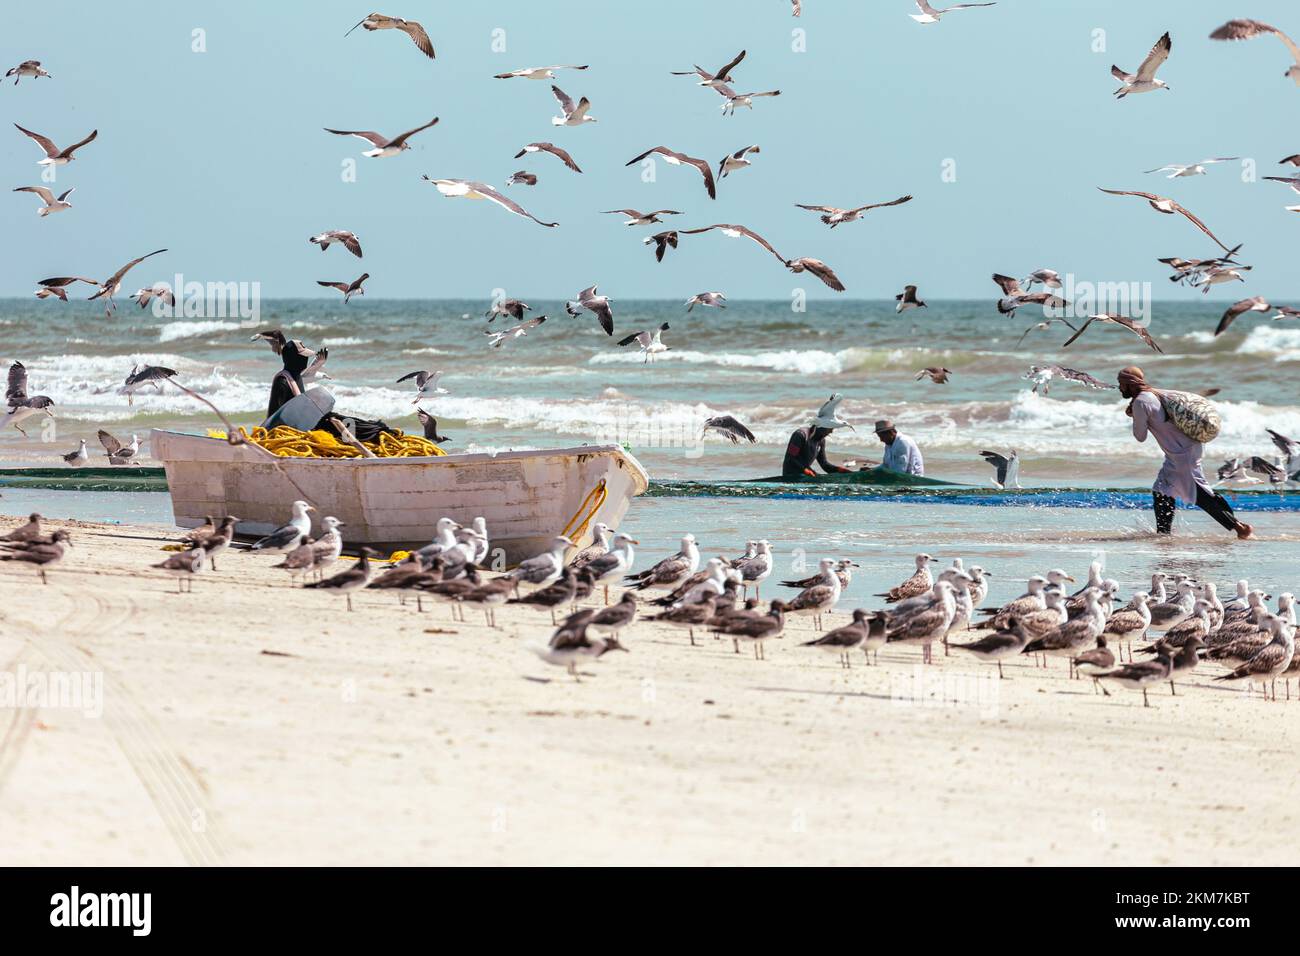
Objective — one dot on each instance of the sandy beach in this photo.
(256, 723)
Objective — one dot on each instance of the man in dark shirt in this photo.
(808, 444)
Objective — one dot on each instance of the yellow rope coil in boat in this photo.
(576, 528)
(287, 442)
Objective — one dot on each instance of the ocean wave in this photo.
(188, 329)
(1269, 340)
(344, 340)
(804, 362)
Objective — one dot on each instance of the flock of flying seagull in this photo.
(1086, 627)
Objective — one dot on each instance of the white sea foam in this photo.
(1282, 343)
(184, 330)
(345, 340)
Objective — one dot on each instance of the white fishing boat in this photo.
(526, 497)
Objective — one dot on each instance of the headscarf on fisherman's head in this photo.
(1132, 375)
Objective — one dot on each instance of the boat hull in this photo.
(526, 497)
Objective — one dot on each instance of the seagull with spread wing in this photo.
(1247, 29)
(833, 215)
(383, 146)
(553, 150)
(1013, 297)
(348, 240)
(713, 79)
(113, 284)
(931, 14)
(673, 158)
(573, 115)
(377, 21)
(734, 99)
(639, 218)
(1176, 170)
(736, 160)
(1256, 303)
(649, 340)
(535, 72)
(1169, 207)
(662, 241)
(53, 155)
(1121, 320)
(597, 305)
(19, 406)
(118, 453)
(1043, 326)
(498, 339)
(51, 204)
(1006, 468)
(1144, 80)
(1042, 375)
(728, 427)
(57, 286)
(469, 189)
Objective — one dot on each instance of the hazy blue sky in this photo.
(220, 156)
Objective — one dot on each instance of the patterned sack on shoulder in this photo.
(1193, 415)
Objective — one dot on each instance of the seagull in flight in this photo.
(348, 240)
(51, 203)
(639, 218)
(523, 177)
(1013, 297)
(1007, 468)
(673, 158)
(1043, 326)
(1167, 206)
(1121, 320)
(383, 145)
(728, 427)
(1175, 170)
(938, 375)
(553, 150)
(426, 384)
(30, 68)
(714, 299)
(930, 14)
(57, 286)
(736, 160)
(805, 264)
(833, 215)
(514, 308)
(113, 284)
(377, 21)
(1293, 182)
(723, 75)
(907, 300)
(1246, 29)
(535, 73)
(734, 99)
(349, 289)
(573, 115)
(499, 339)
(53, 155)
(649, 341)
(597, 305)
(1042, 375)
(159, 290)
(1255, 303)
(1048, 277)
(19, 406)
(469, 189)
(662, 241)
(1144, 80)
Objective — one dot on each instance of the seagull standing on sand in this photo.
(907, 300)
(470, 189)
(535, 73)
(30, 68)
(1167, 206)
(931, 14)
(383, 146)
(833, 215)
(349, 289)
(353, 579)
(1144, 80)
(571, 643)
(377, 21)
(53, 155)
(667, 574)
(614, 563)
(426, 384)
(289, 535)
(542, 570)
(19, 406)
(348, 240)
(571, 114)
(920, 582)
(51, 203)
(597, 305)
(649, 341)
(819, 599)
(183, 567)
(78, 458)
(1246, 29)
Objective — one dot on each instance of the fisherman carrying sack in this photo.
(1193, 415)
